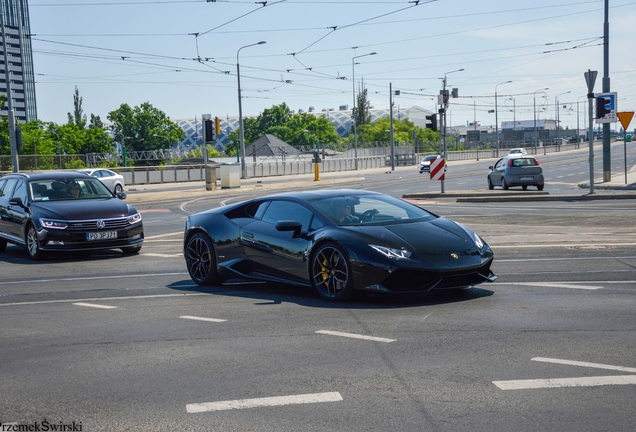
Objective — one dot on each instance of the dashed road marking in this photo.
(264, 402)
(566, 382)
(556, 285)
(202, 318)
(571, 382)
(95, 305)
(355, 336)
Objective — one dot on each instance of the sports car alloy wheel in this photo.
(331, 273)
(32, 243)
(200, 260)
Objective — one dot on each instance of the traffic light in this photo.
(431, 122)
(601, 107)
(208, 131)
(217, 125)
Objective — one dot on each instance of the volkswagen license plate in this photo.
(526, 178)
(101, 235)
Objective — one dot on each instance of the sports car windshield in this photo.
(67, 189)
(370, 209)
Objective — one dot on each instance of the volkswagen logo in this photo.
(100, 224)
(454, 255)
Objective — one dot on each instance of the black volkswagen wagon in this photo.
(65, 211)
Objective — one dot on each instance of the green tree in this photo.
(287, 126)
(144, 127)
(77, 117)
(361, 111)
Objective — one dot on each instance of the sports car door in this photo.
(278, 253)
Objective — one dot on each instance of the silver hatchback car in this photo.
(511, 171)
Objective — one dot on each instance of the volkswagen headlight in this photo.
(53, 224)
(136, 218)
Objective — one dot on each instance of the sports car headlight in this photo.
(392, 253)
(136, 218)
(478, 241)
(53, 224)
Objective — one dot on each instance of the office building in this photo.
(17, 57)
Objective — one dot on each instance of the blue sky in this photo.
(135, 51)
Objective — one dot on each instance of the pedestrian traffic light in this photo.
(601, 107)
(217, 125)
(431, 122)
(208, 131)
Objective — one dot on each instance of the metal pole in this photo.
(241, 131)
(607, 155)
(353, 111)
(391, 128)
(496, 120)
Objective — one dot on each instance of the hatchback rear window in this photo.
(523, 162)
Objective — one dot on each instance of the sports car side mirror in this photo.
(289, 225)
(121, 195)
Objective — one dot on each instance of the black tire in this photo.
(201, 260)
(540, 187)
(118, 189)
(134, 250)
(524, 187)
(3, 245)
(490, 185)
(33, 244)
(504, 185)
(330, 273)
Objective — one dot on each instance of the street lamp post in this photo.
(558, 118)
(353, 111)
(241, 132)
(534, 111)
(496, 120)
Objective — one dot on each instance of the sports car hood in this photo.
(429, 239)
(84, 209)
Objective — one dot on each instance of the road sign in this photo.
(438, 168)
(606, 112)
(625, 118)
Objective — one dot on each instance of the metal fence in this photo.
(266, 167)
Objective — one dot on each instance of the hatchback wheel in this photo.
(490, 185)
(33, 245)
(540, 187)
(118, 189)
(201, 260)
(330, 273)
(504, 185)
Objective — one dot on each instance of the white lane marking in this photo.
(584, 364)
(103, 298)
(555, 285)
(355, 336)
(95, 306)
(544, 245)
(91, 278)
(202, 319)
(162, 255)
(595, 258)
(566, 382)
(264, 402)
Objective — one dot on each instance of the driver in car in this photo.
(342, 212)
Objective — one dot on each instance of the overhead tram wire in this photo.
(335, 28)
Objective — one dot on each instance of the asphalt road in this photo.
(130, 343)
